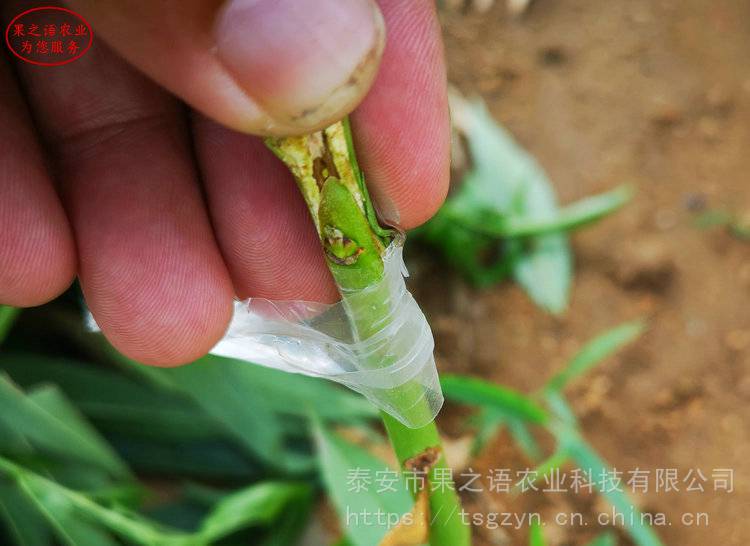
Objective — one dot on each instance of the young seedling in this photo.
(354, 243)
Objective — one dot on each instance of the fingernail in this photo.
(305, 62)
(386, 209)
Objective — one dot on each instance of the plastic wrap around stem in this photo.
(375, 341)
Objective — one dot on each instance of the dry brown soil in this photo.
(655, 93)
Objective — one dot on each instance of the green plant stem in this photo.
(326, 170)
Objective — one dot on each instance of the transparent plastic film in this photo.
(390, 361)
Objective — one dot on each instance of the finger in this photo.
(149, 266)
(259, 66)
(402, 128)
(37, 254)
(263, 227)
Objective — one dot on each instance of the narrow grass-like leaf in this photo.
(251, 401)
(259, 504)
(328, 400)
(55, 428)
(605, 539)
(713, 218)
(22, 519)
(487, 426)
(488, 423)
(525, 440)
(561, 409)
(7, 316)
(205, 459)
(340, 462)
(13, 442)
(587, 459)
(70, 528)
(45, 492)
(53, 401)
(546, 468)
(570, 217)
(536, 535)
(478, 392)
(79, 521)
(291, 523)
(226, 393)
(596, 351)
(115, 402)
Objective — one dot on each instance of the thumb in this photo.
(269, 67)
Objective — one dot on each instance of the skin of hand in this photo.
(139, 168)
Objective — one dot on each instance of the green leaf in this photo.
(536, 535)
(596, 351)
(478, 392)
(13, 442)
(554, 462)
(228, 394)
(61, 505)
(328, 400)
(213, 460)
(69, 527)
(51, 424)
(291, 523)
(251, 401)
(573, 216)
(78, 520)
(508, 180)
(713, 218)
(587, 459)
(605, 539)
(115, 402)
(525, 440)
(7, 316)
(339, 459)
(22, 519)
(259, 504)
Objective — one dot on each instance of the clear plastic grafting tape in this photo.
(389, 361)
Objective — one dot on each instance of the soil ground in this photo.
(655, 93)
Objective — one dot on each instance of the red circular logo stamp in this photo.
(48, 36)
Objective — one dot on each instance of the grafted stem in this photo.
(326, 170)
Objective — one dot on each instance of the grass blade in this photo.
(536, 535)
(338, 459)
(115, 402)
(229, 396)
(605, 539)
(570, 217)
(22, 519)
(52, 425)
(43, 491)
(259, 504)
(505, 401)
(526, 441)
(291, 524)
(252, 401)
(587, 459)
(596, 351)
(7, 316)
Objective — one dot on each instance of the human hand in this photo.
(166, 214)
